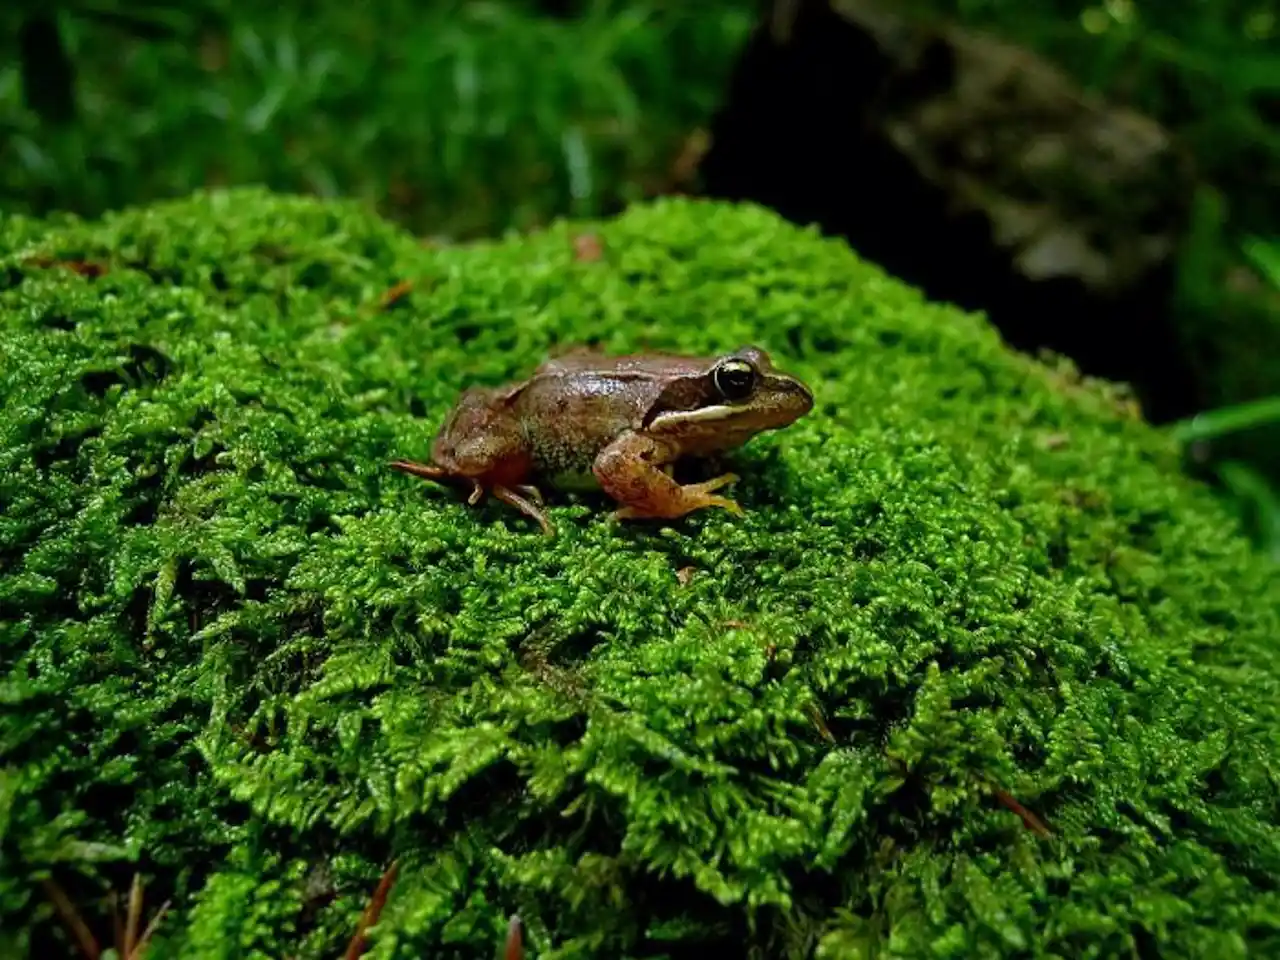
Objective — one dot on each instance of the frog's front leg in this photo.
(633, 470)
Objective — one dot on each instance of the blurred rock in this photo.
(973, 169)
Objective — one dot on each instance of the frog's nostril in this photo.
(805, 395)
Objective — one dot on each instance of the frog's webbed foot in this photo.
(694, 496)
(525, 504)
(635, 471)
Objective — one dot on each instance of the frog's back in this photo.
(638, 365)
(576, 405)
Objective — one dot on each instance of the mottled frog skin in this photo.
(586, 421)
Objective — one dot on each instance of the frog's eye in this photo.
(735, 379)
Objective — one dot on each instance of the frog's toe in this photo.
(715, 483)
(428, 471)
(693, 500)
(510, 497)
(724, 503)
(699, 495)
(530, 491)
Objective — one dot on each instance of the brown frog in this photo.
(586, 421)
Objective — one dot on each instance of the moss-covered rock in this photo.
(244, 658)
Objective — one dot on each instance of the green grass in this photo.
(240, 655)
(1216, 423)
(457, 118)
(1234, 335)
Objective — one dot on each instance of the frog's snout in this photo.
(786, 401)
(798, 398)
(805, 397)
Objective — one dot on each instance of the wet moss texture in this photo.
(243, 658)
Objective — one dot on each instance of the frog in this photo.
(586, 421)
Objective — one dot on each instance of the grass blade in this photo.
(1217, 423)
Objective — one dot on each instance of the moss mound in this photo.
(243, 658)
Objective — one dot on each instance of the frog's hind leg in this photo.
(429, 471)
(524, 497)
(525, 504)
(490, 458)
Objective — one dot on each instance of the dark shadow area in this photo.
(802, 131)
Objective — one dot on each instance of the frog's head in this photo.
(729, 400)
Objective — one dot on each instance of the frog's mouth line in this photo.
(726, 411)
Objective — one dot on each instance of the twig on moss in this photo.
(820, 723)
(396, 294)
(684, 168)
(117, 924)
(514, 949)
(85, 268)
(1029, 819)
(130, 946)
(134, 916)
(588, 248)
(372, 912)
(140, 948)
(71, 917)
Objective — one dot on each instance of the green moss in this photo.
(243, 657)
